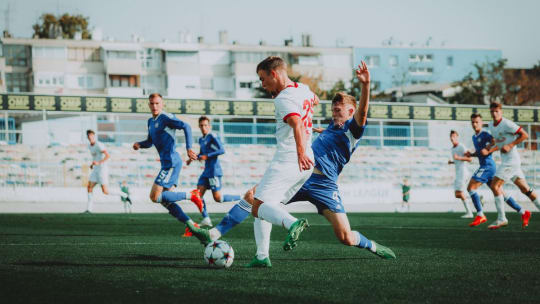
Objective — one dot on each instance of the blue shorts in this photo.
(213, 183)
(484, 174)
(168, 177)
(321, 192)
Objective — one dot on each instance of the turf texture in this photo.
(141, 258)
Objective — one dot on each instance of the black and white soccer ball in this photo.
(219, 254)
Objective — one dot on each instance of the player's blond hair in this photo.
(342, 97)
(271, 63)
(154, 95)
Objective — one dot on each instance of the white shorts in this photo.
(460, 183)
(281, 181)
(509, 172)
(100, 175)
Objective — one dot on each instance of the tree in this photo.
(523, 85)
(65, 26)
(311, 82)
(486, 84)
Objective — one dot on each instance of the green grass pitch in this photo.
(141, 258)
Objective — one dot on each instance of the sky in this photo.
(511, 26)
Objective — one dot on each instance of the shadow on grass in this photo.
(60, 235)
(99, 265)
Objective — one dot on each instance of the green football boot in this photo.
(383, 252)
(294, 233)
(200, 233)
(256, 263)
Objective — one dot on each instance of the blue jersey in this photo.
(212, 147)
(161, 134)
(480, 141)
(334, 146)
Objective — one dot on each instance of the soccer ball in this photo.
(219, 254)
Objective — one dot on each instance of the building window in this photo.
(124, 81)
(393, 61)
(49, 52)
(49, 79)
(373, 61)
(121, 54)
(246, 85)
(413, 70)
(17, 55)
(420, 57)
(84, 54)
(17, 82)
(450, 61)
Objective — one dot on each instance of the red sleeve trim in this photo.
(289, 115)
(518, 131)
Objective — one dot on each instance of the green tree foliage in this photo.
(65, 26)
(484, 85)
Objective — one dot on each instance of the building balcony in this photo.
(123, 66)
(124, 92)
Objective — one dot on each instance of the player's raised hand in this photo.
(136, 146)
(304, 162)
(191, 154)
(362, 73)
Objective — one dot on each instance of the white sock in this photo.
(214, 234)
(480, 213)
(262, 230)
(466, 206)
(522, 211)
(499, 204)
(537, 203)
(90, 201)
(276, 215)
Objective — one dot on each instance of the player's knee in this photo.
(249, 196)
(217, 196)
(153, 197)
(255, 209)
(346, 238)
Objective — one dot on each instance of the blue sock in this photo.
(176, 211)
(171, 197)
(512, 203)
(363, 242)
(230, 198)
(235, 216)
(476, 200)
(204, 213)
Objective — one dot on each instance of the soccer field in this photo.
(142, 258)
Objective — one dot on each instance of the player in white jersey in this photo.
(459, 159)
(506, 135)
(100, 171)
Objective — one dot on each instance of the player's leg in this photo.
(348, 237)
(496, 187)
(90, 190)
(521, 183)
(471, 188)
(237, 214)
(279, 184)
(461, 195)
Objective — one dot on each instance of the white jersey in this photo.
(460, 150)
(298, 101)
(504, 132)
(97, 152)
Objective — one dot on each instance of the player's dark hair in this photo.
(475, 115)
(453, 132)
(154, 95)
(204, 118)
(495, 105)
(271, 63)
(88, 132)
(344, 98)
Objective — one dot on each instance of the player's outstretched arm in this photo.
(143, 144)
(295, 122)
(362, 73)
(220, 149)
(175, 123)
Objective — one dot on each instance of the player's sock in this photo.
(171, 196)
(204, 212)
(477, 204)
(499, 204)
(467, 209)
(513, 204)
(262, 230)
(363, 242)
(229, 198)
(537, 203)
(173, 208)
(276, 215)
(90, 202)
(235, 216)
